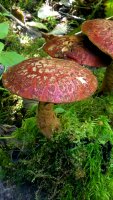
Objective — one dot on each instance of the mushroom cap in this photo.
(75, 47)
(57, 46)
(100, 33)
(50, 80)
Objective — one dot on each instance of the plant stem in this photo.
(6, 137)
(47, 120)
(107, 85)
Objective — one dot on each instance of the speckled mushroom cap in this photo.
(74, 47)
(100, 33)
(50, 80)
(57, 46)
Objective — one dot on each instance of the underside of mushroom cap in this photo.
(85, 53)
(100, 33)
(50, 80)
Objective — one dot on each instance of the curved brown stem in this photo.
(107, 85)
(46, 119)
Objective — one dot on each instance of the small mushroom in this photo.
(100, 33)
(57, 46)
(76, 47)
(49, 81)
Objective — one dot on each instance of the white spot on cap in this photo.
(52, 79)
(31, 75)
(81, 79)
(34, 69)
(40, 71)
(64, 49)
(45, 78)
(47, 70)
(23, 72)
(51, 47)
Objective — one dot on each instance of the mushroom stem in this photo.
(46, 119)
(107, 85)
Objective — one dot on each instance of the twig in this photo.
(26, 28)
(111, 17)
(72, 16)
(78, 33)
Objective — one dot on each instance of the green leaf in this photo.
(1, 46)
(10, 58)
(109, 8)
(59, 110)
(37, 25)
(3, 29)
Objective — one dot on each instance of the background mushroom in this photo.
(100, 33)
(76, 47)
(57, 46)
(49, 81)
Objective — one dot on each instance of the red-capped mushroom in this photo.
(100, 33)
(50, 81)
(76, 47)
(57, 46)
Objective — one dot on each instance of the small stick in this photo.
(29, 30)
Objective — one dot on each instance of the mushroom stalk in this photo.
(107, 85)
(46, 119)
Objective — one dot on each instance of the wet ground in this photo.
(23, 192)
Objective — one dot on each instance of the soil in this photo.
(13, 192)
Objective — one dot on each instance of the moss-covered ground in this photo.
(77, 163)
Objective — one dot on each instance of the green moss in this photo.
(28, 131)
(72, 159)
(34, 48)
(10, 108)
(77, 157)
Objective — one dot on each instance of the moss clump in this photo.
(78, 157)
(10, 109)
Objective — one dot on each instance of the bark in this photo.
(47, 120)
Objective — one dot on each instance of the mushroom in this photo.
(57, 46)
(76, 47)
(49, 81)
(100, 33)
